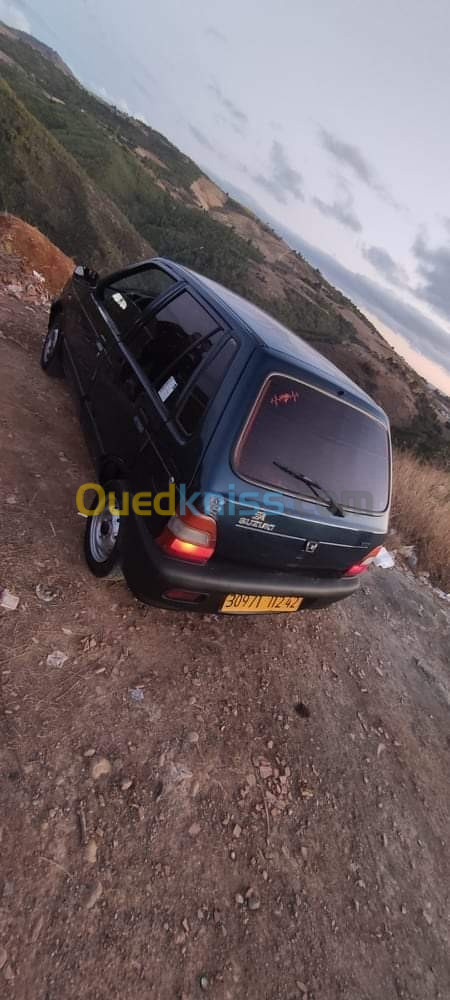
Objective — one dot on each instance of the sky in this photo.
(332, 117)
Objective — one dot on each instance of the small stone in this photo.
(100, 768)
(251, 780)
(94, 896)
(265, 771)
(4, 955)
(233, 855)
(194, 830)
(193, 738)
(57, 658)
(253, 900)
(403, 909)
(36, 930)
(265, 875)
(8, 973)
(301, 986)
(427, 916)
(237, 830)
(126, 784)
(90, 753)
(270, 745)
(304, 852)
(91, 852)
(239, 899)
(204, 982)
(185, 925)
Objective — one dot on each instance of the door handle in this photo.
(138, 424)
(143, 416)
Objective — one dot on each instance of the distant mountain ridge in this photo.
(108, 189)
(41, 47)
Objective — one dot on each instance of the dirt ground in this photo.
(206, 806)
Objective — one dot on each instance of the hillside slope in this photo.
(43, 184)
(122, 186)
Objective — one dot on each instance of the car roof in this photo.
(267, 331)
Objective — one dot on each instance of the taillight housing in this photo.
(365, 563)
(188, 536)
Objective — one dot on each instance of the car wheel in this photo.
(51, 354)
(103, 536)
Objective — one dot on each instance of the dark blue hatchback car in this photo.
(243, 472)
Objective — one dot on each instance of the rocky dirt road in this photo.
(223, 807)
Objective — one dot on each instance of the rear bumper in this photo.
(150, 573)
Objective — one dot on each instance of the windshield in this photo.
(328, 440)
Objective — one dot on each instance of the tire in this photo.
(51, 354)
(104, 535)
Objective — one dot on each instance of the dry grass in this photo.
(421, 513)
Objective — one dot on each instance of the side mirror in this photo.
(86, 274)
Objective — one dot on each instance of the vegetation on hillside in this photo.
(421, 512)
(42, 183)
(102, 140)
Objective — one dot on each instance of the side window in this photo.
(127, 297)
(205, 387)
(170, 344)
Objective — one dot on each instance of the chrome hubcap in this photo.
(50, 343)
(104, 529)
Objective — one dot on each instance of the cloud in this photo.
(382, 261)
(202, 139)
(351, 157)
(237, 116)
(216, 34)
(283, 179)
(340, 209)
(434, 270)
(13, 15)
(421, 332)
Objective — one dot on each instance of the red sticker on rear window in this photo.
(284, 398)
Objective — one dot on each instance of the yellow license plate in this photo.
(254, 604)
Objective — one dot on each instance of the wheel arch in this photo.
(111, 468)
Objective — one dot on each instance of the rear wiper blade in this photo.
(316, 489)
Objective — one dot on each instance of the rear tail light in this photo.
(189, 536)
(365, 563)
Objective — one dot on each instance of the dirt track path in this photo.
(303, 758)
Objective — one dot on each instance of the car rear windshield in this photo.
(315, 434)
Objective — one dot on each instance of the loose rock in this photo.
(253, 900)
(95, 895)
(100, 768)
(194, 830)
(3, 956)
(91, 852)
